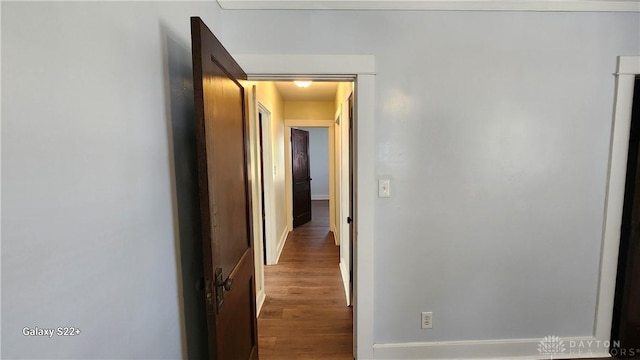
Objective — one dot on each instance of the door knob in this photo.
(221, 286)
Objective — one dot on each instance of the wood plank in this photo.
(305, 314)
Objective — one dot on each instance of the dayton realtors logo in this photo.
(551, 345)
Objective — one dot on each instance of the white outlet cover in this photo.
(427, 320)
(384, 188)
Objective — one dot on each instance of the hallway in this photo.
(305, 314)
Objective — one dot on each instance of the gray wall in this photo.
(494, 127)
(319, 159)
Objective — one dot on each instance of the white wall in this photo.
(319, 160)
(90, 234)
(493, 126)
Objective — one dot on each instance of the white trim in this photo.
(288, 124)
(363, 67)
(628, 68)
(312, 65)
(460, 5)
(308, 123)
(262, 296)
(628, 65)
(364, 197)
(345, 201)
(280, 247)
(320, 197)
(484, 349)
(254, 156)
(345, 281)
(269, 196)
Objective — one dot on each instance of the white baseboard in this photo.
(283, 240)
(523, 349)
(345, 281)
(319, 197)
(260, 301)
(335, 238)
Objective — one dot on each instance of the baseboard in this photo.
(523, 349)
(345, 281)
(260, 301)
(319, 197)
(335, 238)
(283, 240)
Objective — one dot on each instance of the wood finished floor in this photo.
(305, 314)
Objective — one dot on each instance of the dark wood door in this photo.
(224, 201)
(626, 324)
(301, 178)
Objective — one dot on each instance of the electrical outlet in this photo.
(427, 320)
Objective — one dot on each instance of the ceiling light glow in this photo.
(302, 84)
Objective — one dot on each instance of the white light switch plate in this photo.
(384, 188)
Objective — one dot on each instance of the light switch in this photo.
(384, 189)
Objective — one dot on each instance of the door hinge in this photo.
(219, 289)
(208, 291)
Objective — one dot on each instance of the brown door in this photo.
(626, 323)
(301, 177)
(224, 203)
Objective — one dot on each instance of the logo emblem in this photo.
(551, 345)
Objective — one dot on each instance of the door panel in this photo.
(626, 324)
(301, 177)
(224, 201)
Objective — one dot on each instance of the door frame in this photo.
(271, 251)
(288, 165)
(270, 207)
(288, 125)
(361, 69)
(627, 70)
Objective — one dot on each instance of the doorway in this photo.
(628, 69)
(300, 177)
(625, 334)
(324, 67)
(307, 271)
(360, 69)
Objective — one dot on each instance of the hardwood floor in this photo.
(305, 314)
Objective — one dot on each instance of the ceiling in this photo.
(317, 91)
